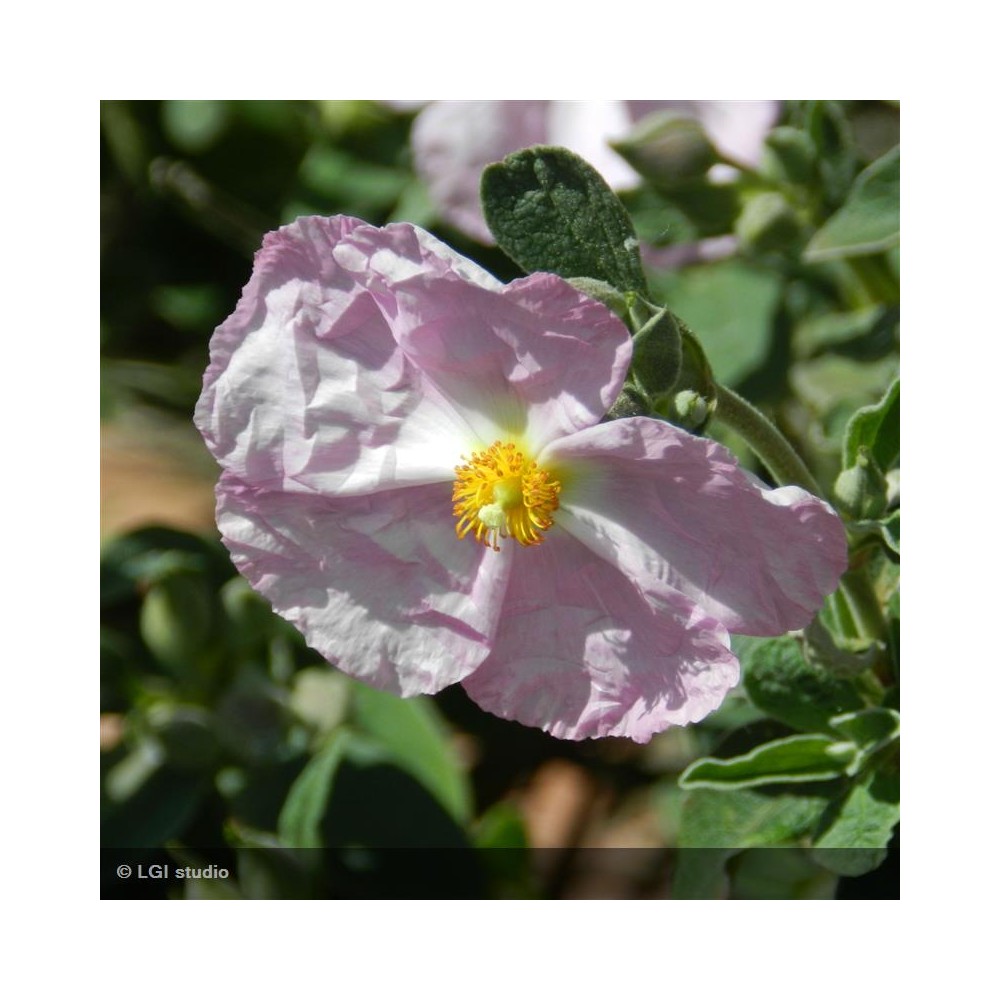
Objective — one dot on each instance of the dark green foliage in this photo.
(551, 211)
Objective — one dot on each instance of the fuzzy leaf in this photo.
(857, 830)
(782, 682)
(657, 353)
(869, 730)
(550, 210)
(876, 428)
(716, 825)
(793, 759)
(739, 819)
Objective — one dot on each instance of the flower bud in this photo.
(668, 149)
(176, 622)
(692, 409)
(861, 489)
(692, 400)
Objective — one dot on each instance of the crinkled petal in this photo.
(308, 390)
(532, 360)
(661, 503)
(582, 652)
(378, 584)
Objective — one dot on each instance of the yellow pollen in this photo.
(501, 494)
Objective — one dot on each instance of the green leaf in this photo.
(845, 657)
(412, 734)
(504, 851)
(869, 730)
(779, 873)
(832, 384)
(793, 759)
(604, 293)
(549, 210)
(856, 831)
(355, 793)
(657, 353)
(715, 825)
(826, 125)
(782, 682)
(701, 873)
(890, 531)
(868, 222)
(176, 622)
(871, 327)
(501, 826)
(876, 428)
(299, 824)
(739, 819)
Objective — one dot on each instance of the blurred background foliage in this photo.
(225, 740)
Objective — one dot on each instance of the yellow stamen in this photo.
(499, 493)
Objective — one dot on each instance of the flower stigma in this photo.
(500, 493)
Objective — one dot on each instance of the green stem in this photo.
(857, 589)
(768, 443)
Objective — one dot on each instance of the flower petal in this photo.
(534, 360)
(661, 503)
(308, 390)
(582, 652)
(378, 584)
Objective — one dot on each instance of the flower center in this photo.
(501, 494)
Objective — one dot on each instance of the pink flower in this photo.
(454, 140)
(415, 474)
